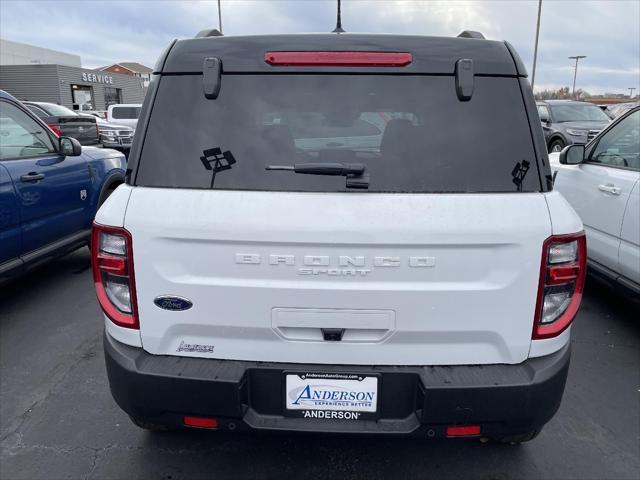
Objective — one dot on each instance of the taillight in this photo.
(200, 422)
(112, 261)
(338, 59)
(562, 275)
(465, 431)
(55, 128)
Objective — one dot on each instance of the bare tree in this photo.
(562, 93)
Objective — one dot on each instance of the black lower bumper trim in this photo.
(503, 399)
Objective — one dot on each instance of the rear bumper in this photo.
(502, 399)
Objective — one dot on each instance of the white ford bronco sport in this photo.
(339, 233)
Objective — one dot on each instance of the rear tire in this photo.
(106, 193)
(150, 426)
(103, 197)
(556, 145)
(518, 438)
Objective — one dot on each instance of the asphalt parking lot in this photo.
(58, 420)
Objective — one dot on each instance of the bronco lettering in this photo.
(327, 265)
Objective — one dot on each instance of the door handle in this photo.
(32, 177)
(610, 188)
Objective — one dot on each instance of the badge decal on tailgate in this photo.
(174, 303)
(194, 348)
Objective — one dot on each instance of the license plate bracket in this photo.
(331, 396)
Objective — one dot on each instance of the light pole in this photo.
(575, 71)
(338, 28)
(535, 48)
(631, 89)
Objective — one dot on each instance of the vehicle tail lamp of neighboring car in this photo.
(55, 128)
(562, 275)
(112, 262)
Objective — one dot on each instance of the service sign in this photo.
(331, 396)
(97, 78)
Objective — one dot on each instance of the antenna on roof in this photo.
(219, 17)
(338, 28)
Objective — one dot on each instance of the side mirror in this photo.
(70, 147)
(572, 155)
(544, 118)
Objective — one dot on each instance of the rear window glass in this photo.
(410, 132)
(58, 110)
(126, 113)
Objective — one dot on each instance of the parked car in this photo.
(565, 122)
(50, 189)
(114, 136)
(124, 114)
(425, 286)
(101, 114)
(65, 122)
(618, 109)
(601, 182)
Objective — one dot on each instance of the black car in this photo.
(566, 122)
(66, 122)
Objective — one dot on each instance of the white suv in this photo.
(602, 182)
(124, 114)
(424, 285)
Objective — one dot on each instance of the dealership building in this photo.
(43, 75)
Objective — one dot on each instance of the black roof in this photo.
(433, 55)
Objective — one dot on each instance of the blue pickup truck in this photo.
(50, 189)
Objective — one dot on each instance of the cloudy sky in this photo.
(104, 32)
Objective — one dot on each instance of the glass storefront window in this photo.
(112, 96)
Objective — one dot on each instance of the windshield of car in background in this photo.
(615, 111)
(126, 113)
(411, 132)
(578, 113)
(58, 110)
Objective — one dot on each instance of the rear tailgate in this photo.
(412, 279)
(82, 128)
(436, 261)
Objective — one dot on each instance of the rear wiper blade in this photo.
(356, 173)
(343, 169)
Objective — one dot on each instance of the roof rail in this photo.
(471, 34)
(210, 32)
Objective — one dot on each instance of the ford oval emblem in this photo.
(170, 302)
